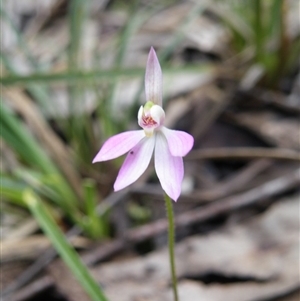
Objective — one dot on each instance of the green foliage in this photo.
(65, 250)
(260, 25)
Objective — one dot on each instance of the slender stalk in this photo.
(171, 239)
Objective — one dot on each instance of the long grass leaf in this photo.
(90, 76)
(77, 15)
(62, 246)
(24, 144)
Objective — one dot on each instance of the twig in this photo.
(218, 102)
(35, 268)
(244, 153)
(266, 190)
(33, 289)
(238, 182)
(269, 97)
(222, 189)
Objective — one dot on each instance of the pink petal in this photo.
(135, 163)
(153, 79)
(169, 169)
(118, 145)
(180, 143)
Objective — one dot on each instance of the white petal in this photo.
(140, 115)
(153, 79)
(158, 114)
(179, 142)
(135, 163)
(118, 145)
(169, 169)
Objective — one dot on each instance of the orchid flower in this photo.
(169, 146)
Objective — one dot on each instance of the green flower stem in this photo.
(171, 238)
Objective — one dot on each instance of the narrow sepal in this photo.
(153, 79)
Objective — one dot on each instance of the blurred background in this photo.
(72, 75)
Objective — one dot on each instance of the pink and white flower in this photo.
(169, 146)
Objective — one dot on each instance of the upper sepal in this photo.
(153, 79)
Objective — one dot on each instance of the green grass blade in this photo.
(95, 223)
(16, 136)
(36, 90)
(24, 144)
(12, 190)
(77, 13)
(258, 28)
(62, 246)
(91, 76)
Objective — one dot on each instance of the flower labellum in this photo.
(169, 146)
